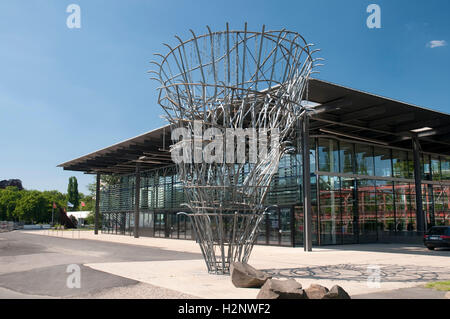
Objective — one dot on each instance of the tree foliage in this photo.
(32, 206)
(72, 193)
(9, 198)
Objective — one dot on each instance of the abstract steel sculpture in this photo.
(232, 80)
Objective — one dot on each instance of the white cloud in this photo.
(436, 44)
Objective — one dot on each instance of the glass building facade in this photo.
(361, 193)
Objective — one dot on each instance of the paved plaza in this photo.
(116, 265)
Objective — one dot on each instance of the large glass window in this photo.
(285, 226)
(401, 166)
(385, 207)
(346, 157)
(329, 210)
(348, 210)
(426, 168)
(367, 211)
(445, 168)
(328, 155)
(364, 159)
(435, 168)
(402, 206)
(428, 204)
(441, 205)
(412, 220)
(383, 164)
(262, 233)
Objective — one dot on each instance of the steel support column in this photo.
(420, 217)
(137, 198)
(97, 205)
(307, 209)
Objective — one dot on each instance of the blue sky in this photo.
(67, 92)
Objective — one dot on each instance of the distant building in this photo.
(11, 182)
(80, 216)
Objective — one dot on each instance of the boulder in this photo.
(245, 276)
(316, 291)
(337, 292)
(281, 289)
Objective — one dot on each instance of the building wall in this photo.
(366, 193)
(360, 193)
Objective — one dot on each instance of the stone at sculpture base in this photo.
(316, 291)
(245, 276)
(337, 292)
(281, 289)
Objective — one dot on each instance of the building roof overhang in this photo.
(363, 116)
(338, 111)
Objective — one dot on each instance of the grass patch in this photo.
(439, 285)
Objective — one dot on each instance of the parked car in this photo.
(437, 236)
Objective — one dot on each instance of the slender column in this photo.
(420, 218)
(97, 205)
(307, 218)
(137, 198)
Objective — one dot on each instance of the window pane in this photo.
(329, 209)
(328, 155)
(445, 168)
(426, 168)
(427, 204)
(346, 154)
(441, 205)
(383, 165)
(385, 208)
(348, 207)
(435, 168)
(364, 159)
(367, 211)
(405, 207)
(411, 165)
(401, 165)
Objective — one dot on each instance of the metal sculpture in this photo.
(238, 81)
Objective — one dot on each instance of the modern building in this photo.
(379, 172)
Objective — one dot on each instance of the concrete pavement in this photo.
(34, 266)
(360, 269)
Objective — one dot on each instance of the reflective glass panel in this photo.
(329, 210)
(385, 207)
(401, 166)
(364, 159)
(435, 168)
(426, 168)
(367, 211)
(328, 155)
(383, 164)
(346, 157)
(445, 168)
(348, 210)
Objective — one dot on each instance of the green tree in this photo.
(9, 198)
(32, 207)
(72, 193)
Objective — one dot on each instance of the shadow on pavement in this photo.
(387, 273)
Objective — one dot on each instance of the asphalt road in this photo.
(36, 266)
